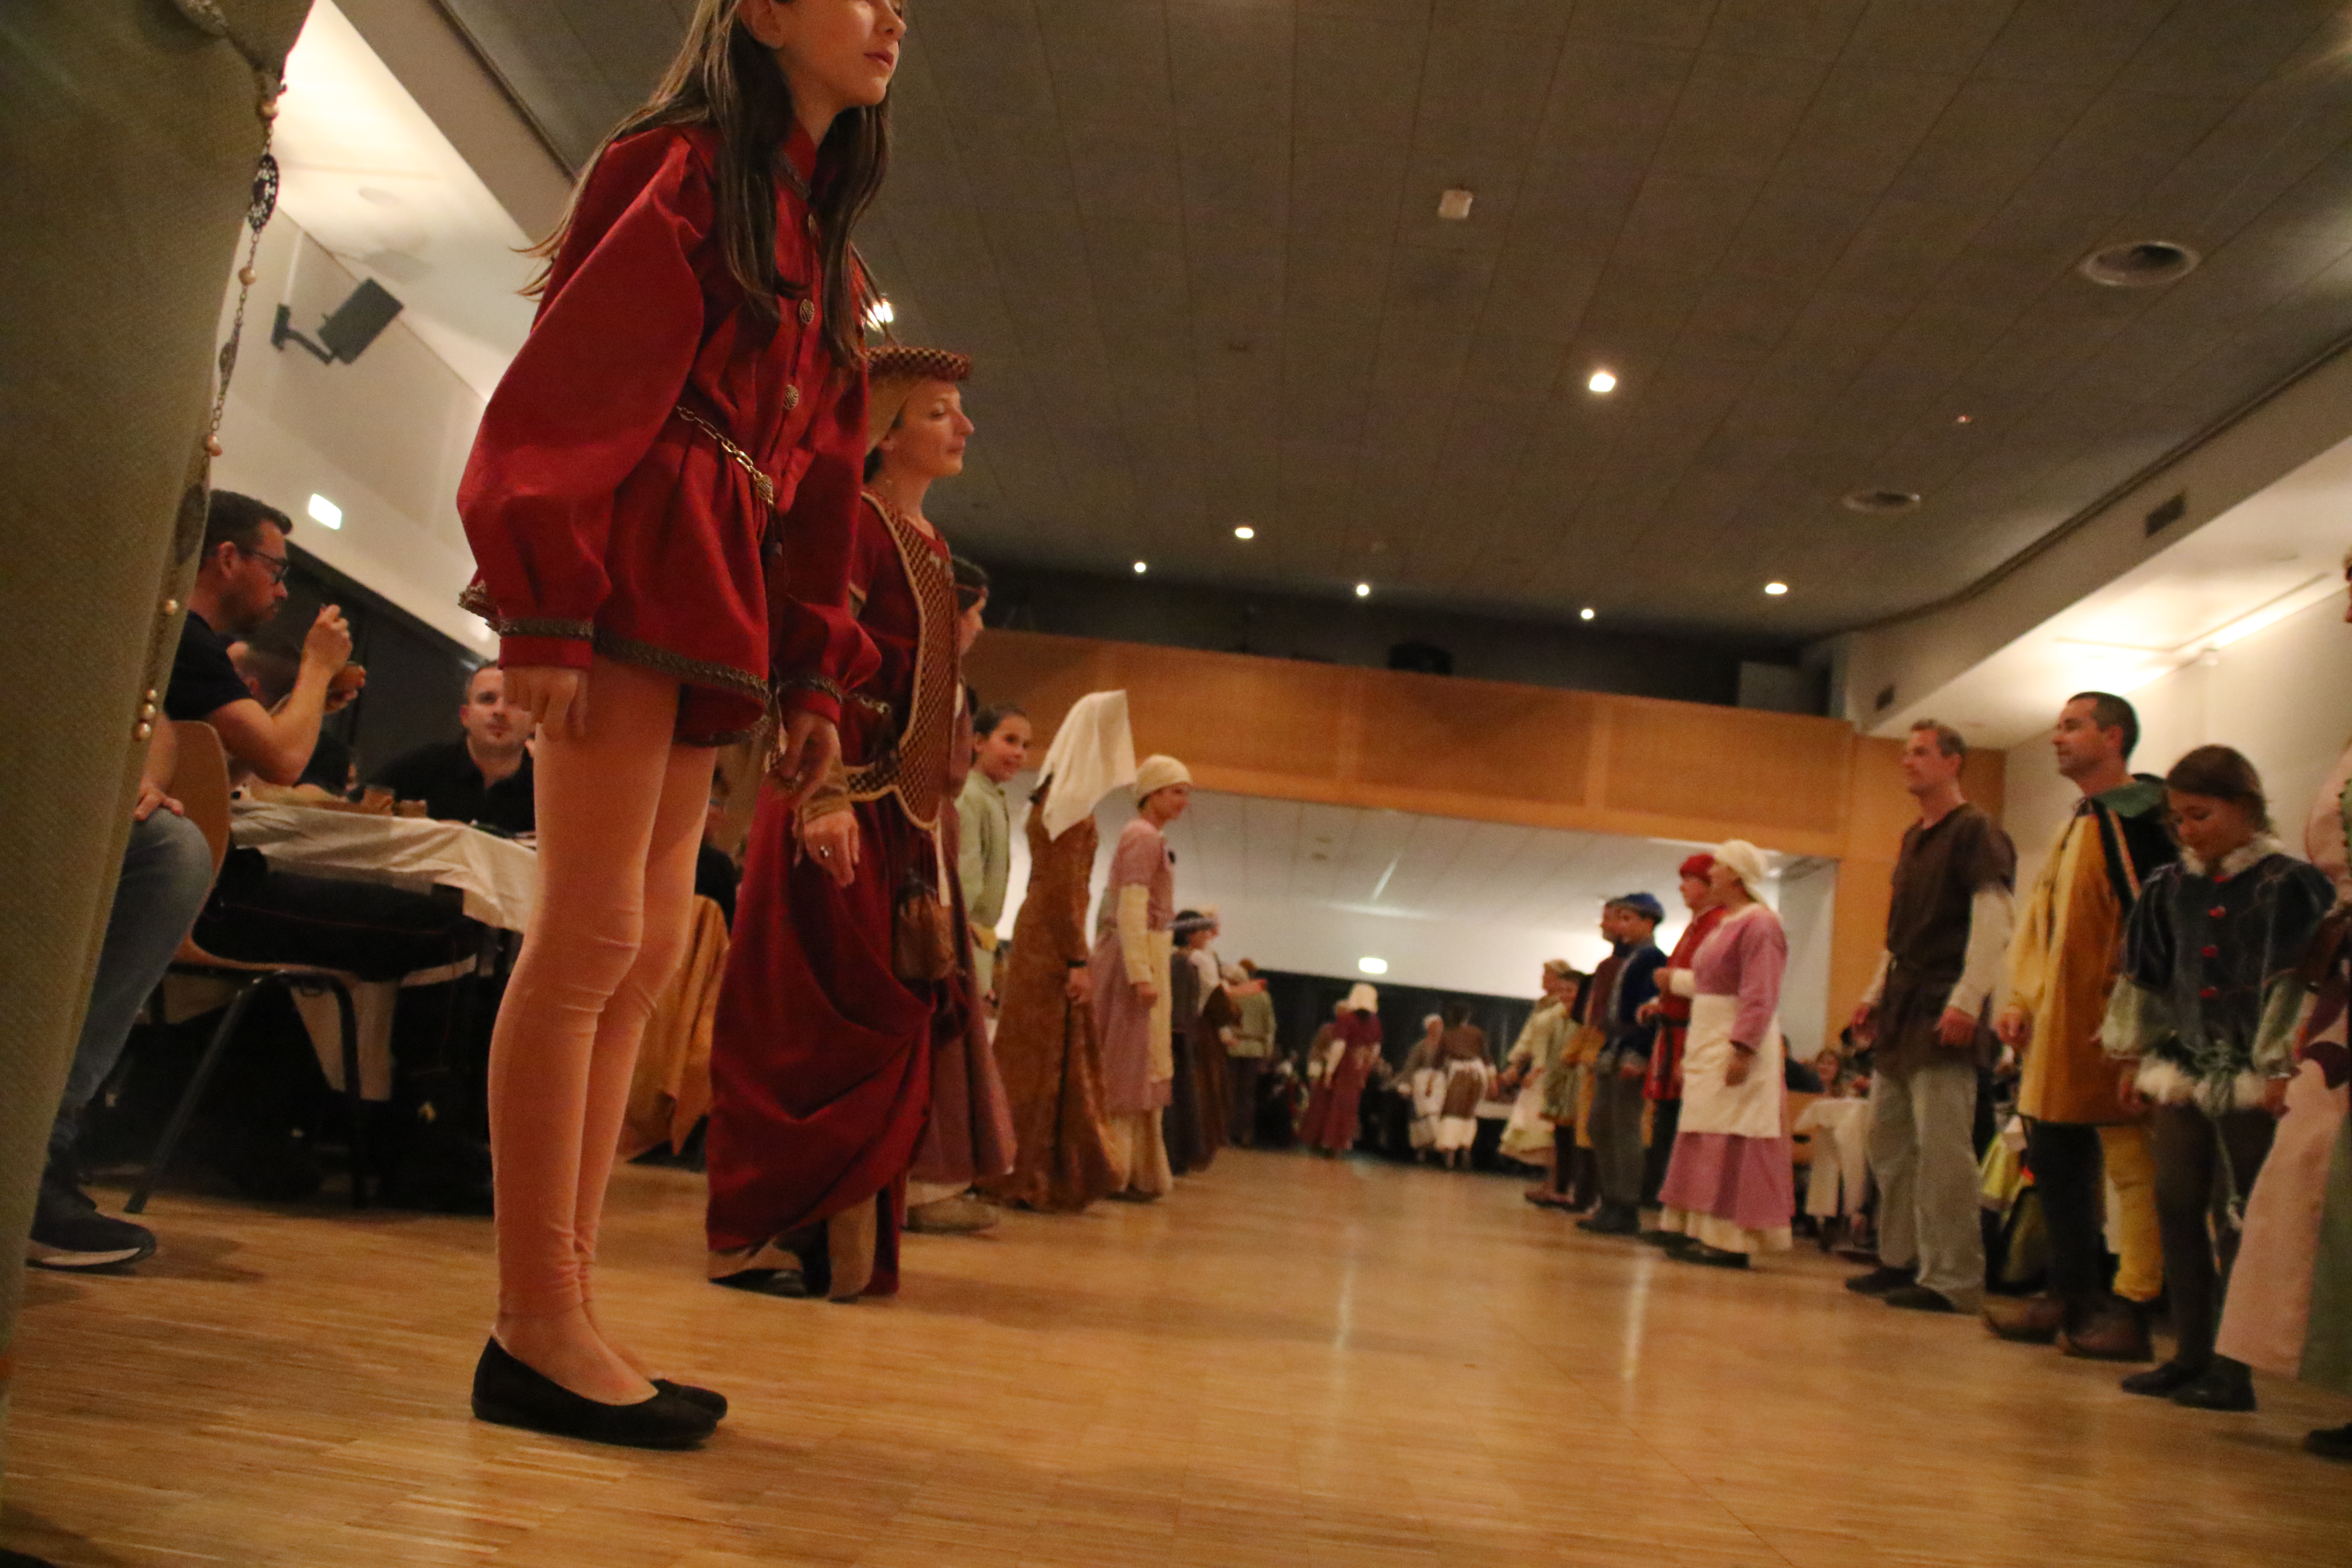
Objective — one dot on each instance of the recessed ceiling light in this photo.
(1373, 965)
(1453, 205)
(1363, 590)
(1880, 503)
(326, 513)
(1776, 589)
(1246, 531)
(1600, 381)
(1141, 568)
(1585, 614)
(1964, 418)
(2142, 264)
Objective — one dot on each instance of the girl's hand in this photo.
(1079, 988)
(806, 751)
(831, 841)
(2127, 1091)
(1736, 1070)
(1147, 993)
(556, 695)
(2275, 1095)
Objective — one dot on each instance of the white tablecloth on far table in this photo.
(499, 876)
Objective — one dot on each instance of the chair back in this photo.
(200, 784)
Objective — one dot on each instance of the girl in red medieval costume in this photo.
(691, 393)
(1348, 1047)
(845, 981)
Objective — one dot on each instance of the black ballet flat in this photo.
(1709, 1256)
(508, 1394)
(708, 1399)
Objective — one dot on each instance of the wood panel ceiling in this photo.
(1194, 246)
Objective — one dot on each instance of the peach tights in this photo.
(620, 821)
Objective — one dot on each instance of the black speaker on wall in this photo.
(346, 334)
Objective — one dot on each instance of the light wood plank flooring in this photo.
(1288, 1361)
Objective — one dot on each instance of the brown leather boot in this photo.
(2028, 1320)
(849, 1238)
(2116, 1330)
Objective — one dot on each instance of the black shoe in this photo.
(70, 1235)
(1919, 1299)
(1663, 1240)
(2224, 1385)
(1881, 1280)
(1710, 1256)
(708, 1399)
(2162, 1382)
(510, 1393)
(2330, 1443)
(790, 1284)
(1610, 1220)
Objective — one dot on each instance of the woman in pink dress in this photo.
(1731, 1187)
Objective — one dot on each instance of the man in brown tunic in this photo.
(1947, 930)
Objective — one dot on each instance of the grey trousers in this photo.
(167, 868)
(1925, 1165)
(1617, 1137)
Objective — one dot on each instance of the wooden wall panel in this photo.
(1431, 732)
(1227, 713)
(1776, 770)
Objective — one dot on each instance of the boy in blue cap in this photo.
(1619, 1071)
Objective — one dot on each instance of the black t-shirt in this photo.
(716, 878)
(445, 778)
(203, 682)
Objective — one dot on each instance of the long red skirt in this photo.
(821, 1055)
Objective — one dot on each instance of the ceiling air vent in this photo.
(2141, 265)
(1885, 700)
(1880, 503)
(2167, 514)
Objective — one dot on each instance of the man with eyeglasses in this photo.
(240, 582)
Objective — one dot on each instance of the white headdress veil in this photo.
(1093, 754)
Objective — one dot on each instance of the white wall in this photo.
(2282, 696)
(1808, 907)
(384, 438)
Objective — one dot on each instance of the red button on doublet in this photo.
(2208, 993)
(2211, 952)
(2217, 911)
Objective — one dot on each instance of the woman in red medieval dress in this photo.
(843, 980)
(691, 390)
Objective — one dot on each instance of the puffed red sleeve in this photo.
(577, 410)
(816, 650)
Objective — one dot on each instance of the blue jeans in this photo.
(167, 868)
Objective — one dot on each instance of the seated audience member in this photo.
(482, 776)
(240, 582)
(256, 912)
(167, 867)
(269, 674)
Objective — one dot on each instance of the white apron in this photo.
(1751, 1109)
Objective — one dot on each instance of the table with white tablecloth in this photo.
(497, 879)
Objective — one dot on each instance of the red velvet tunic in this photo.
(601, 516)
(821, 1057)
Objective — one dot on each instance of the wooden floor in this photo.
(1288, 1361)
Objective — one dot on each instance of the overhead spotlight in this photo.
(1373, 965)
(1776, 589)
(1585, 614)
(1141, 568)
(345, 334)
(1453, 205)
(1246, 531)
(1600, 381)
(1363, 590)
(324, 512)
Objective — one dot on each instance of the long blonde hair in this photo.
(724, 77)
